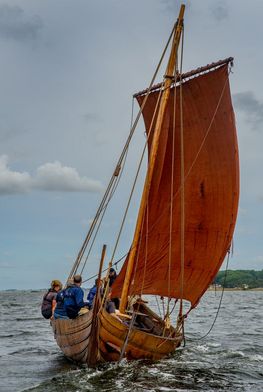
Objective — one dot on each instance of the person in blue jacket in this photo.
(70, 300)
(91, 294)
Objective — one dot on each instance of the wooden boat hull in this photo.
(73, 336)
(140, 345)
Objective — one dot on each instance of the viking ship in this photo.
(185, 221)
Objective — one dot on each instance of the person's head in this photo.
(70, 282)
(112, 272)
(77, 279)
(56, 285)
(97, 281)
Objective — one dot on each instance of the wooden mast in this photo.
(92, 357)
(169, 78)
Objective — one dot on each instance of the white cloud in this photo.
(55, 177)
(12, 182)
(49, 177)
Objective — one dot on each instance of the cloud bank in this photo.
(49, 177)
(15, 25)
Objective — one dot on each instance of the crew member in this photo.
(70, 300)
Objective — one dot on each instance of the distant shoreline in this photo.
(234, 289)
(211, 288)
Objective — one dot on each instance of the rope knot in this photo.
(117, 170)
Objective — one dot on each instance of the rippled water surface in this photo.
(230, 358)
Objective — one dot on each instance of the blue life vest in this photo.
(66, 299)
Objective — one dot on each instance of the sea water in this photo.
(230, 358)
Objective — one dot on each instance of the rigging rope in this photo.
(174, 305)
(158, 306)
(106, 269)
(132, 130)
(220, 302)
(110, 197)
(135, 180)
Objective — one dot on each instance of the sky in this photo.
(68, 70)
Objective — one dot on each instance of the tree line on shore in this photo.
(240, 278)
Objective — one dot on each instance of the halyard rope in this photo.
(110, 197)
(87, 239)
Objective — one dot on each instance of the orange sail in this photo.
(211, 192)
